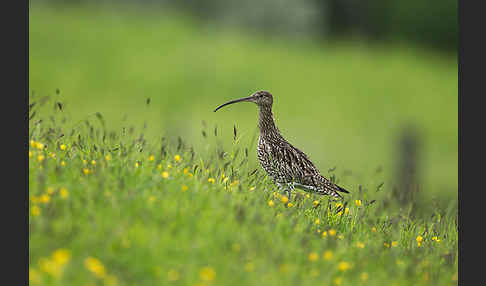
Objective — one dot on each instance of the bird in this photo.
(287, 166)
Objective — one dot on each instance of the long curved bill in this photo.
(233, 101)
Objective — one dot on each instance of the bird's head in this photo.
(261, 98)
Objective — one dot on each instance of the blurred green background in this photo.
(348, 79)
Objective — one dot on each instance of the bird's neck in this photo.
(266, 122)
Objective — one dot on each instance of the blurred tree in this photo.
(267, 16)
(353, 17)
(432, 22)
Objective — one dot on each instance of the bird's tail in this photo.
(341, 189)
(329, 188)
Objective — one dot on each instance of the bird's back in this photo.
(287, 164)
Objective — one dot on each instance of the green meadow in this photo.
(133, 180)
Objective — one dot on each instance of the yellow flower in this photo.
(332, 232)
(151, 158)
(313, 256)
(284, 199)
(44, 198)
(173, 275)
(61, 256)
(358, 202)
(339, 205)
(35, 210)
(51, 267)
(63, 147)
(136, 165)
(317, 221)
(64, 193)
(39, 145)
(207, 274)
(93, 162)
(159, 166)
(31, 154)
(271, 203)
(52, 155)
(290, 205)
(419, 240)
(211, 180)
(34, 276)
(184, 188)
(360, 244)
(373, 229)
(186, 169)
(386, 244)
(95, 266)
(165, 174)
(324, 234)
(85, 162)
(394, 243)
(107, 157)
(225, 180)
(435, 238)
(252, 188)
(177, 158)
(337, 281)
(33, 143)
(340, 236)
(86, 171)
(346, 210)
(327, 255)
(344, 266)
(55, 266)
(316, 203)
(340, 213)
(63, 163)
(364, 276)
(307, 195)
(169, 166)
(40, 158)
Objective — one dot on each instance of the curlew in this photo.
(288, 167)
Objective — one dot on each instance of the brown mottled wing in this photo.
(302, 171)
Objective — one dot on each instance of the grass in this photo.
(102, 212)
(344, 104)
(114, 208)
